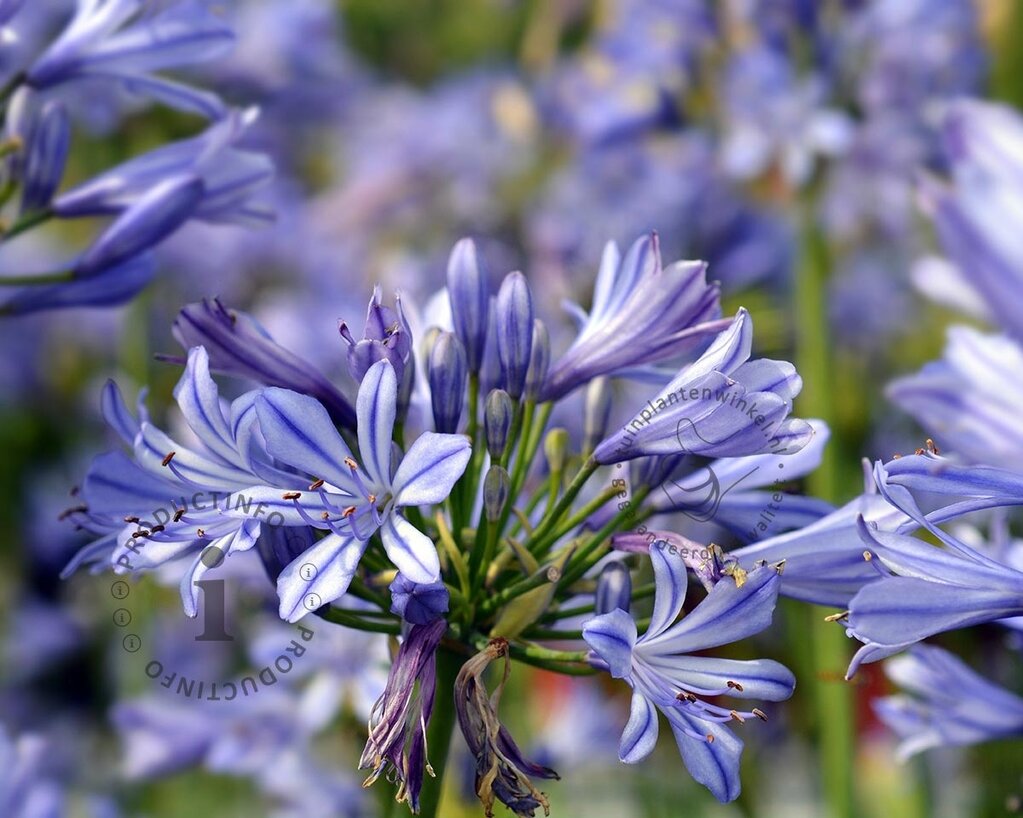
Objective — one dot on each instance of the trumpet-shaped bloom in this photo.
(642, 313)
(124, 42)
(722, 405)
(666, 676)
(945, 703)
(354, 502)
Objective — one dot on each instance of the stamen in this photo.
(73, 510)
(178, 514)
(167, 458)
(931, 446)
(291, 495)
(836, 617)
(315, 484)
(200, 534)
(157, 528)
(131, 518)
(760, 714)
(734, 685)
(736, 717)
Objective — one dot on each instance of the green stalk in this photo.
(352, 620)
(27, 223)
(30, 280)
(438, 734)
(828, 644)
(552, 516)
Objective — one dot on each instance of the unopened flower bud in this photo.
(467, 291)
(496, 486)
(614, 588)
(447, 374)
(555, 448)
(539, 360)
(515, 331)
(497, 419)
(491, 370)
(596, 413)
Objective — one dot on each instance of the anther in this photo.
(351, 463)
(734, 685)
(760, 714)
(156, 528)
(315, 485)
(200, 534)
(372, 498)
(178, 514)
(291, 495)
(167, 458)
(710, 738)
(868, 556)
(931, 447)
(736, 717)
(348, 512)
(131, 518)
(836, 617)
(140, 533)
(325, 515)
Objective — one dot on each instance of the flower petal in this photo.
(376, 407)
(612, 636)
(410, 550)
(430, 469)
(318, 576)
(299, 432)
(715, 764)
(671, 583)
(640, 734)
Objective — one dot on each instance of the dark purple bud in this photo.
(447, 375)
(278, 545)
(386, 337)
(497, 420)
(146, 223)
(539, 360)
(614, 588)
(468, 292)
(515, 331)
(418, 604)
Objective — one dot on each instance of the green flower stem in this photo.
(514, 432)
(530, 443)
(577, 519)
(350, 619)
(468, 483)
(28, 281)
(587, 556)
(552, 516)
(829, 645)
(547, 634)
(438, 733)
(27, 223)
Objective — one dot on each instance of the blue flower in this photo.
(238, 345)
(722, 405)
(946, 704)
(665, 676)
(230, 176)
(123, 42)
(354, 503)
(642, 313)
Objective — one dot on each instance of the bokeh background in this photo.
(780, 140)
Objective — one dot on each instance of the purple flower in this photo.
(123, 42)
(398, 723)
(642, 313)
(113, 285)
(470, 299)
(945, 704)
(722, 405)
(353, 502)
(230, 176)
(514, 316)
(387, 336)
(238, 345)
(418, 603)
(664, 675)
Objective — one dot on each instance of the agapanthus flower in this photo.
(945, 703)
(642, 313)
(722, 405)
(665, 676)
(123, 42)
(355, 501)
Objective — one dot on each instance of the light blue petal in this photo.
(640, 734)
(430, 469)
(376, 407)
(199, 400)
(318, 576)
(612, 636)
(715, 764)
(411, 551)
(299, 432)
(671, 580)
(116, 413)
(758, 679)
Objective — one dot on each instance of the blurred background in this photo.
(783, 141)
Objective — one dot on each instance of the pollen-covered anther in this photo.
(837, 617)
(734, 685)
(157, 528)
(131, 518)
(760, 714)
(142, 532)
(348, 512)
(350, 463)
(710, 738)
(931, 446)
(686, 696)
(736, 717)
(867, 556)
(200, 534)
(372, 498)
(167, 458)
(291, 495)
(315, 484)
(178, 514)
(325, 515)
